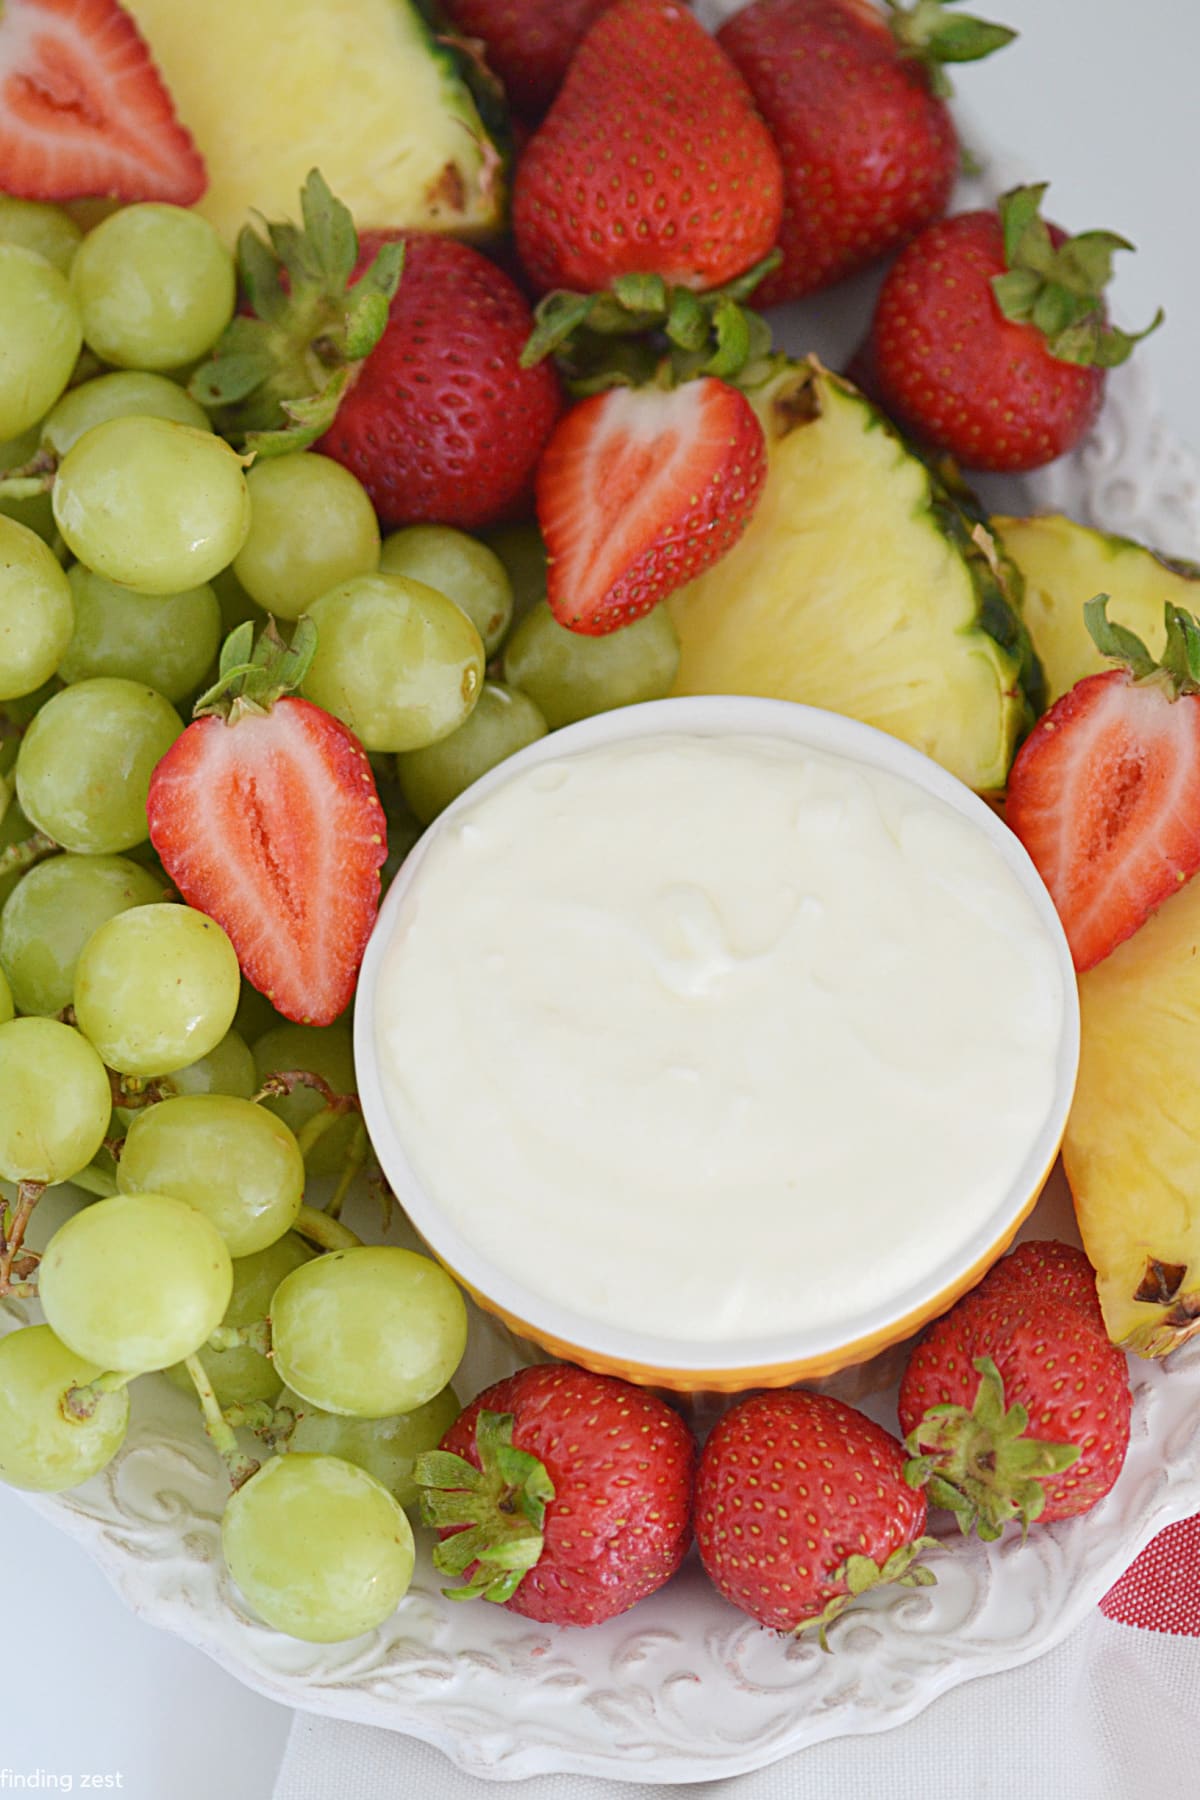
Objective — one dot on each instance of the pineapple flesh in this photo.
(1064, 565)
(1132, 1145)
(862, 586)
(360, 89)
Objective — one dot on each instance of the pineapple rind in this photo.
(858, 587)
(1064, 565)
(1132, 1145)
(357, 88)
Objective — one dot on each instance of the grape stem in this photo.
(240, 1467)
(256, 1336)
(253, 1415)
(356, 1156)
(135, 1091)
(19, 857)
(79, 1403)
(327, 1233)
(12, 1236)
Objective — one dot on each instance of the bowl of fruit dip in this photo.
(717, 1042)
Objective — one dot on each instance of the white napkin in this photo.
(1112, 1714)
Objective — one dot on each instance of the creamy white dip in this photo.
(716, 1038)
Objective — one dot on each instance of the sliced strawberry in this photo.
(269, 822)
(1105, 792)
(638, 490)
(84, 111)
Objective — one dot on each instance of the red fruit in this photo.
(84, 111)
(868, 148)
(443, 423)
(268, 821)
(652, 158)
(529, 43)
(959, 360)
(1105, 792)
(801, 1504)
(640, 489)
(1029, 1338)
(587, 1483)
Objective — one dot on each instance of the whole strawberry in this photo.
(990, 339)
(652, 158)
(855, 104)
(400, 357)
(1105, 791)
(1016, 1406)
(802, 1505)
(565, 1495)
(529, 43)
(265, 816)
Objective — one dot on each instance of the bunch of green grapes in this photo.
(135, 1063)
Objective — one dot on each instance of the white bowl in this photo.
(750, 1362)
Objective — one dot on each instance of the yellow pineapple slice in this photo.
(1064, 565)
(360, 89)
(1132, 1148)
(861, 585)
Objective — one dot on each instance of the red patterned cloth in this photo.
(1161, 1590)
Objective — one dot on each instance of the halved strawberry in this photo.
(84, 111)
(638, 490)
(265, 815)
(1105, 792)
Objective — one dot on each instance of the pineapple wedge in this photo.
(1064, 565)
(1132, 1146)
(361, 89)
(861, 585)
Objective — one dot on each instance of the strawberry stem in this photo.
(252, 675)
(501, 1507)
(1178, 669)
(928, 34)
(978, 1463)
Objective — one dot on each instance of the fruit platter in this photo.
(599, 755)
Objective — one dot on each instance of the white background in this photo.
(1096, 97)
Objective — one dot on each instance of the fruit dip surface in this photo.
(717, 1037)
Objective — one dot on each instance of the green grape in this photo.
(318, 1547)
(502, 723)
(135, 1282)
(242, 1375)
(36, 615)
(85, 762)
(51, 914)
(156, 988)
(154, 505)
(312, 527)
(521, 550)
(460, 567)
(155, 287)
(14, 829)
(570, 676)
(385, 1448)
(235, 603)
(227, 1069)
(37, 512)
(370, 1331)
(55, 1101)
(7, 1008)
(128, 394)
(41, 1447)
(48, 230)
(167, 641)
(324, 1050)
(395, 660)
(40, 337)
(238, 1165)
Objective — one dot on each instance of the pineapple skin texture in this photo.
(857, 588)
(1064, 565)
(1132, 1145)
(270, 89)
